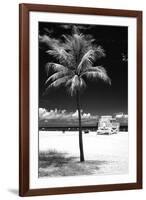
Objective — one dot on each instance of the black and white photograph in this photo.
(82, 100)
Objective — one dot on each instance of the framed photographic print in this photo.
(80, 99)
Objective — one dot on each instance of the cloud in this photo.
(45, 114)
(75, 114)
(42, 112)
(66, 26)
(88, 115)
(49, 41)
(69, 26)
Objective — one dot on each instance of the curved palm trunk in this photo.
(80, 129)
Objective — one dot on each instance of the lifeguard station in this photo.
(108, 125)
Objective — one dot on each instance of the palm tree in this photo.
(75, 56)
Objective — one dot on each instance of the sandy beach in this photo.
(109, 152)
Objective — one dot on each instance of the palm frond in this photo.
(75, 30)
(58, 82)
(75, 84)
(68, 38)
(59, 53)
(82, 83)
(97, 72)
(58, 75)
(90, 68)
(88, 57)
(75, 45)
(55, 66)
(99, 52)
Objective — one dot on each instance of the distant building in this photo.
(121, 115)
(120, 118)
(108, 125)
(123, 120)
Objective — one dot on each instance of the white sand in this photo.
(110, 148)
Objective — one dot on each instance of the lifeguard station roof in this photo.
(106, 117)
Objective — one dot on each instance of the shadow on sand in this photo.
(53, 163)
